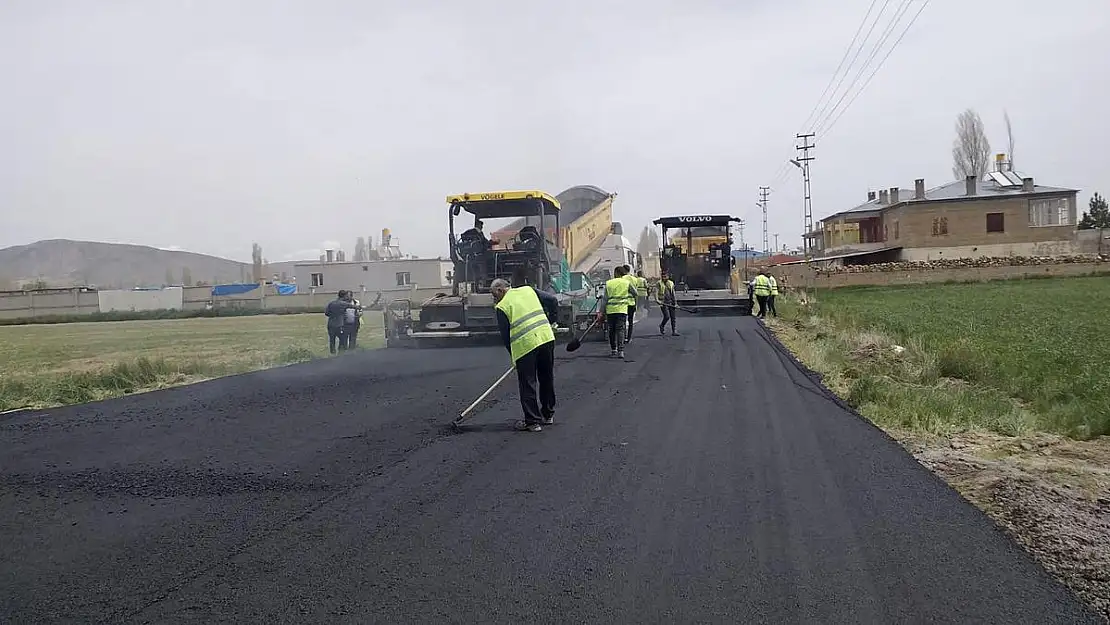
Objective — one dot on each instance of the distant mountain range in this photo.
(62, 262)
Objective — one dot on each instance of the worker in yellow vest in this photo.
(618, 294)
(526, 316)
(641, 287)
(774, 293)
(762, 290)
(667, 302)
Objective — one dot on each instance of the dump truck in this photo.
(532, 256)
(697, 253)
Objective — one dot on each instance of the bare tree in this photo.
(649, 241)
(971, 150)
(1009, 138)
(169, 277)
(186, 276)
(361, 251)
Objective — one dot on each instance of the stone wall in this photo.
(955, 270)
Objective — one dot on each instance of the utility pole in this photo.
(743, 249)
(776, 242)
(803, 161)
(763, 191)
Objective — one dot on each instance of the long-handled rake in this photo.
(462, 416)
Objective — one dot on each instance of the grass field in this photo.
(1009, 356)
(47, 365)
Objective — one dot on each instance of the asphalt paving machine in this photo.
(697, 253)
(533, 256)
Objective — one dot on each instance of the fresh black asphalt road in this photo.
(707, 479)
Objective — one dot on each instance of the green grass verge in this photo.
(51, 365)
(1008, 357)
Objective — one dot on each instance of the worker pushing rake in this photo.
(525, 317)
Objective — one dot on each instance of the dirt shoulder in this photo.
(1051, 493)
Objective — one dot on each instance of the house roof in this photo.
(956, 190)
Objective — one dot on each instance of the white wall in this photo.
(134, 301)
(374, 276)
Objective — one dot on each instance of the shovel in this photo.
(576, 342)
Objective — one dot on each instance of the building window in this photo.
(403, 278)
(896, 233)
(996, 222)
(366, 267)
(1050, 212)
(940, 226)
(317, 279)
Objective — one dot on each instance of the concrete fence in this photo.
(77, 301)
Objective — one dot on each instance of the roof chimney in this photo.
(972, 185)
(882, 197)
(870, 196)
(919, 189)
(894, 195)
(329, 255)
(1027, 185)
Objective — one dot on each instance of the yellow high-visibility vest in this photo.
(774, 285)
(617, 296)
(528, 324)
(665, 287)
(762, 285)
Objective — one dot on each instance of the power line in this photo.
(856, 55)
(843, 58)
(877, 68)
(784, 168)
(901, 11)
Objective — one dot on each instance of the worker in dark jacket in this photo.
(336, 313)
(526, 316)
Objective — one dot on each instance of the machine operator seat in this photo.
(527, 240)
(472, 243)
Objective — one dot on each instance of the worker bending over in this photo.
(619, 292)
(639, 284)
(774, 293)
(667, 302)
(525, 316)
(762, 289)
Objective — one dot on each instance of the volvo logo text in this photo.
(696, 218)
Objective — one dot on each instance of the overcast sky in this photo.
(209, 124)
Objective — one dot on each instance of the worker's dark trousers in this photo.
(335, 335)
(631, 319)
(616, 323)
(771, 305)
(535, 373)
(352, 335)
(762, 299)
(668, 315)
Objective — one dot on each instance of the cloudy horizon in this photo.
(207, 126)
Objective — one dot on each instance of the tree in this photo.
(971, 150)
(649, 242)
(361, 250)
(1097, 214)
(186, 276)
(256, 258)
(1009, 138)
(169, 276)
